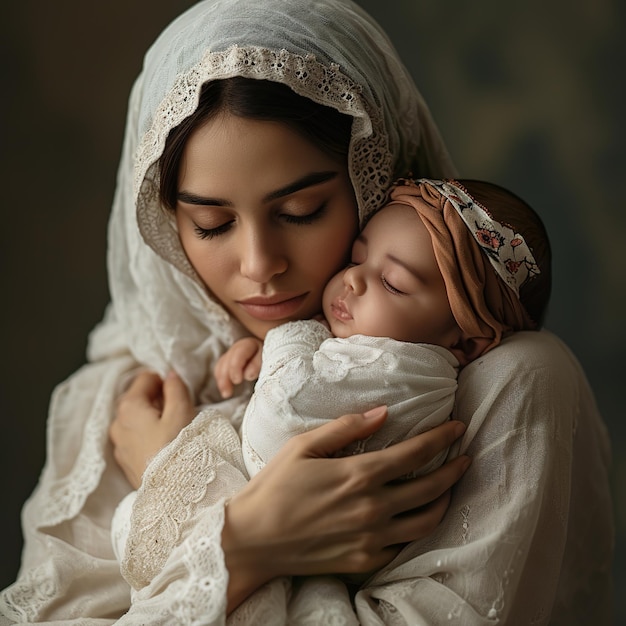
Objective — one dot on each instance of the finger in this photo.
(422, 491)
(143, 396)
(252, 369)
(414, 453)
(222, 378)
(238, 362)
(418, 524)
(115, 434)
(225, 387)
(178, 405)
(219, 366)
(145, 385)
(325, 440)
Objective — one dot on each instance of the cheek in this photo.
(324, 251)
(384, 319)
(439, 325)
(328, 264)
(211, 266)
(333, 289)
(336, 246)
(213, 272)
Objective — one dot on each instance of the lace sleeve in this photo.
(183, 491)
(191, 586)
(120, 525)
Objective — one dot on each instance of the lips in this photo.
(272, 308)
(340, 311)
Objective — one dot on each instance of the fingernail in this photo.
(459, 429)
(467, 461)
(172, 374)
(379, 411)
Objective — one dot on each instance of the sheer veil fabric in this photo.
(528, 532)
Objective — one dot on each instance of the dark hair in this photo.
(511, 210)
(266, 100)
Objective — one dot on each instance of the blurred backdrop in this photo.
(526, 94)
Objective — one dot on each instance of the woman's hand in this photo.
(306, 513)
(149, 415)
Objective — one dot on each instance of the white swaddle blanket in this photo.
(308, 377)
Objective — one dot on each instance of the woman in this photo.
(503, 540)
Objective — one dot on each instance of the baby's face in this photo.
(393, 286)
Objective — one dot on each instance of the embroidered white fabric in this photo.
(308, 376)
(528, 533)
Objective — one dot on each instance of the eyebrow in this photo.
(395, 259)
(310, 180)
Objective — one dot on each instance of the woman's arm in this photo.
(324, 515)
(306, 513)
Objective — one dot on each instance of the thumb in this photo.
(177, 402)
(325, 440)
(147, 385)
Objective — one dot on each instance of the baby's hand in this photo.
(241, 362)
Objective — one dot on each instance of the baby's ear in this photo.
(469, 348)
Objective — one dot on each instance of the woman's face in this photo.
(265, 218)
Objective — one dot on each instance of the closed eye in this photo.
(390, 288)
(309, 218)
(209, 233)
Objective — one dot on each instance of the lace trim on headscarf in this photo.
(325, 85)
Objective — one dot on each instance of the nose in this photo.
(262, 257)
(354, 280)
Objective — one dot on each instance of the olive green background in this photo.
(527, 94)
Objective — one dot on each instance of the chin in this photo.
(340, 332)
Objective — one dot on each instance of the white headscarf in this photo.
(330, 51)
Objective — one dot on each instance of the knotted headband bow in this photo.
(506, 250)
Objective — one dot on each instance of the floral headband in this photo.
(506, 250)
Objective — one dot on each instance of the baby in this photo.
(437, 277)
